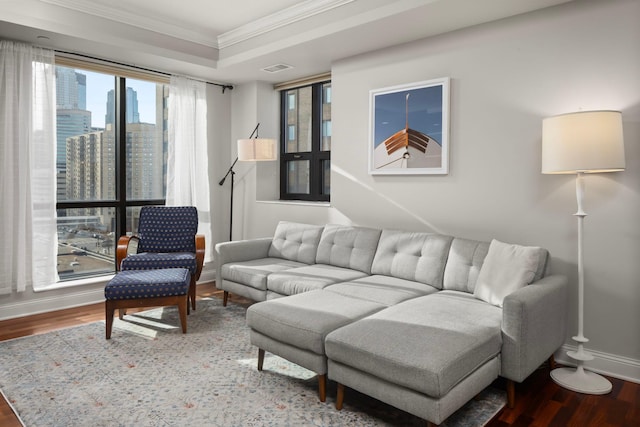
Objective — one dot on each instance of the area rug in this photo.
(150, 374)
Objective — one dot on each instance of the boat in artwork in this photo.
(408, 148)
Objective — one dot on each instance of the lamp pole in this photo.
(232, 173)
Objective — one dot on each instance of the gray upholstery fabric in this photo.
(348, 247)
(507, 268)
(239, 250)
(382, 289)
(432, 409)
(412, 256)
(308, 278)
(243, 290)
(533, 326)
(428, 344)
(302, 357)
(464, 263)
(254, 273)
(296, 242)
(304, 320)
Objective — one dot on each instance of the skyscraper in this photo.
(72, 118)
(133, 116)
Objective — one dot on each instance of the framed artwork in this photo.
(409, 129)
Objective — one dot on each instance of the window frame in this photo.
(316, 157)
(121, 203)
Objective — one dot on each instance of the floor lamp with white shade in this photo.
(579, 143)
(250, 150)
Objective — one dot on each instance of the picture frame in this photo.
(409, 129)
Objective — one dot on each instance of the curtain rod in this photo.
(122, 64)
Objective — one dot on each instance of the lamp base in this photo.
(577, 379)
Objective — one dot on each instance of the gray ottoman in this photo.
(427, 356)
(295, 327)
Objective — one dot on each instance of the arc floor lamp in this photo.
(580, 143)
(249, 150)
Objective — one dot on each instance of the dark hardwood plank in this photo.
(539, 401)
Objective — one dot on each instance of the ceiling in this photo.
(233, 41)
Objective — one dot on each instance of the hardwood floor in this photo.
(539, 401)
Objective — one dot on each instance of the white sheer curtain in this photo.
(27, 168)
(187, 163)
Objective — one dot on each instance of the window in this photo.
(111, 160)
(306, 144)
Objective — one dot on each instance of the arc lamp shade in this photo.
(257, 149)
(589, 141)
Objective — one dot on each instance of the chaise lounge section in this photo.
(425, 324)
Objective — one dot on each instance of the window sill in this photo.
(75, 283)
(295, 203)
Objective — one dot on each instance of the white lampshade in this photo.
(257, 149)
(589, 141)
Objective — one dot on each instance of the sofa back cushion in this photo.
(420, 257)
(348, 247)
(296, 242)
(465, 261)
(507, 268)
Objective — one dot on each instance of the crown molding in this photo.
(96, 8)
(282, 18)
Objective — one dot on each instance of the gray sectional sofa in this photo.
(421, 321)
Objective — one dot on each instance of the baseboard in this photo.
(207, 276)
(44, 304)
(612, 365)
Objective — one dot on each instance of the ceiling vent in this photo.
(277, 68)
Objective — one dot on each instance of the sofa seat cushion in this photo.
(304, 320)
(303, 279)
(382, 289)
(254, 273)
(152, 261)
(428, 344)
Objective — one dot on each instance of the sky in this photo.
(98, 85)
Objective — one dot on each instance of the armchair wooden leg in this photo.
(322, 387)
(183, 308)
(339, 397)
(260, 359)
(109, 311)
(511, 394)
(225, 298)
(192, 292)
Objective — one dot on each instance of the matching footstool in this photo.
(427, 356)
(295, 327)
(147, 288)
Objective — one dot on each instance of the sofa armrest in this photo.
(534, 325)
(240, 250)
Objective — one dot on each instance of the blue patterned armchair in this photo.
(166, 239)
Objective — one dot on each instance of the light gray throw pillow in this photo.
(506, 269)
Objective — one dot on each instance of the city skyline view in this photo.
(103, 83)
(88, 166)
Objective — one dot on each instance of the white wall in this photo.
(505, 78)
